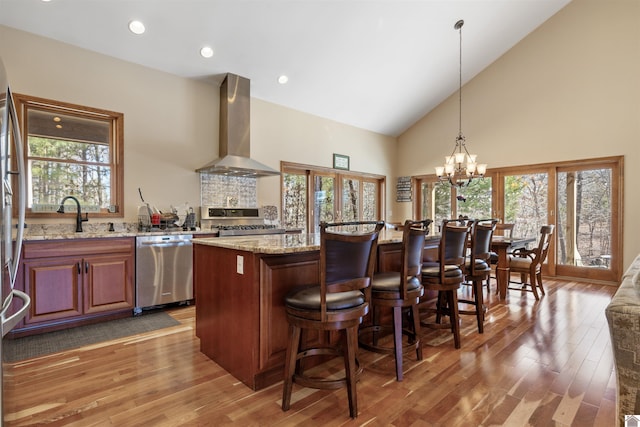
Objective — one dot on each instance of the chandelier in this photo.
(460, 168)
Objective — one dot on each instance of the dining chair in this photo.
(528, 262)
(445, 277)
(337, 302)
(477, 267)
(400, 291)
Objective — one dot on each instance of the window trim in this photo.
(24, 102)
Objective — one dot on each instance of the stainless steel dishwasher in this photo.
(164, 270)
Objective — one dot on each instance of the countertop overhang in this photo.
(286, 243)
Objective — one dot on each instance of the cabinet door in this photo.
(54, 287)
(108, 282)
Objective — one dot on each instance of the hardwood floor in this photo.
(538, 363)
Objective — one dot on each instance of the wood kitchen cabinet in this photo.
(73, 282)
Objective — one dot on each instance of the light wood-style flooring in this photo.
(538, 363)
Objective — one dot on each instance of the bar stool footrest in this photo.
(385, 331)
(319, 382)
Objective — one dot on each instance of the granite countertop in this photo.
(96, 231)
(284, 243)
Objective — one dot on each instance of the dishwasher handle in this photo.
(165, 244)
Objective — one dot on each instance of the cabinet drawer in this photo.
(77, 247)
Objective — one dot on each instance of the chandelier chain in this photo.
(460, 80)
(460, 167)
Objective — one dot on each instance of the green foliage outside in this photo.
(59, 168)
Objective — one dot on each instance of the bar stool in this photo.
(477, 267)
(502, 229)
(336, 303)
(446, 276)
(399, 290)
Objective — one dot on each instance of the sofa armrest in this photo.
(623, 316)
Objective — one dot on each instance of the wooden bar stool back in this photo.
(477, 267)
(399, 290)
(446, 276)
(502, 229)
(337, 302)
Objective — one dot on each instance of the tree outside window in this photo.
(71, 150)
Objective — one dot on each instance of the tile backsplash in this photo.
(215, 190)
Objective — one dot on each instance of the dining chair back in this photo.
(504, 229)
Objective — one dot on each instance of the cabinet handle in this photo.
(86, 267)
(79, 268)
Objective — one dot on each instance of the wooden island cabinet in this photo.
(240, 284)
(78, 281)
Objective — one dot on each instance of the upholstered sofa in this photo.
(623, 315)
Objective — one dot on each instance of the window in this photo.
(334, 197)
(71, 150)
(526, 202)
(439, 201)
(582, 198)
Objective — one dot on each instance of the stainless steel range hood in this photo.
(234, 149)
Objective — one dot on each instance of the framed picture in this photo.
(340, 162)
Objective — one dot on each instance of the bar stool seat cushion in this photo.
(308, 298)
(481, 265)
(450, 271)
(390, 282)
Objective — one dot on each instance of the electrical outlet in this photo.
(240, 264)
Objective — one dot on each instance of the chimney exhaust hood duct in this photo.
(234, 150)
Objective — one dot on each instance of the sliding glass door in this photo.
(588, 231)
(583, 199)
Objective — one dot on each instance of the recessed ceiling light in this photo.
(206, 52)
(46, 1)
(283, 79)
(136, 27)
(56, 119)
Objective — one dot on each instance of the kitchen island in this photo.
(240, 284)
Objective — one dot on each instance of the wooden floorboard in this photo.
(539, 363)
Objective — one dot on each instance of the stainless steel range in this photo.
(238, 221)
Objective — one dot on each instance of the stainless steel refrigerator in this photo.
(14, 302)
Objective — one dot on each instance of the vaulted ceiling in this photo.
(374, 64)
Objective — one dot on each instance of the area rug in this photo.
(15, 350)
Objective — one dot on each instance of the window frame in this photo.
(338, 175)
(116, 146)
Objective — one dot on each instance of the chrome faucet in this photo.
(79, 219)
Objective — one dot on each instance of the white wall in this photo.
(171, 123)
(570, 90)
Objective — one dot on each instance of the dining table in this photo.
(501, 246)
